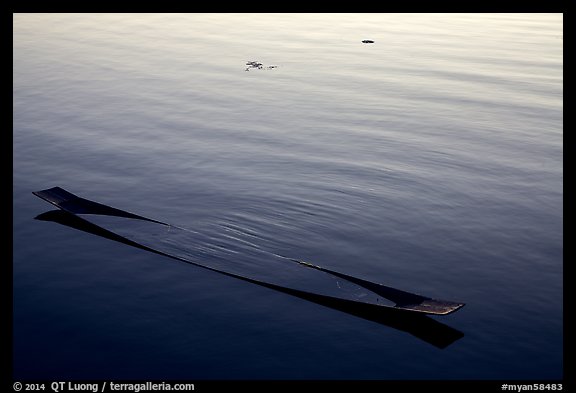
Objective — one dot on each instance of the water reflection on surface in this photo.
(430, 160)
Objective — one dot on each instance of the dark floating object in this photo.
(160, 237)
(258, 65)
(346, 293)
(367, 41)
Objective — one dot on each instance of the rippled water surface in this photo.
(429, 160)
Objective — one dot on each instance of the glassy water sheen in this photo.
(430, 161)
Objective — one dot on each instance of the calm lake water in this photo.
(429, 160)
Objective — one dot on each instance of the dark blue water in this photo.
(430, 161)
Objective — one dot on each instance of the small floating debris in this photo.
(367, 41)
(259, 66)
